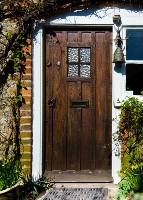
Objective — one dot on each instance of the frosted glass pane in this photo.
(73, 70)
(72, 54)
(85, 55)
(85, 70)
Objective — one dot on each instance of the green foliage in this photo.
(32, 188)
(10, 170)
(130, 129)
(17, 53)
(124, 190)
(9, 35)
(134, 174)
(16, 62)
(130, 136)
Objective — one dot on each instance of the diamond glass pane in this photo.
(73, 70)
(85, 55)
(85, 70)
(72, 54)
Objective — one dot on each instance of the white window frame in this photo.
(124, 92)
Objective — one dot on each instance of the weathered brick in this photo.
(27, 56)
(26, 127)
(27, 169)
(26, 113)
(26, 156)
(28, 83)
(26, 106)
(26, 162)
(26, 141)
(26, 92)
(25, 148)
(27, 62)
(25, 134)
(28, 70)
(26, 77)
(25, 121)
(27, 98)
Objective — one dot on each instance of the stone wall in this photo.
(8, 78)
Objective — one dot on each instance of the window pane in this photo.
(134, 78)
(134, 45)
(73, 70)
(72, 54)
(85, 55)
(85, 70)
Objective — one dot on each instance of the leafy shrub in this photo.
(130, 136)
(124, 190)
(130, 130)
(32, 188)
(10, 170)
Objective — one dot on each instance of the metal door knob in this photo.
(52, 102)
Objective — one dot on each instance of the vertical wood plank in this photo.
(73, 128)
(88, 114)
(87, 141)
(59, 161)
(49, 112)
(102, 103)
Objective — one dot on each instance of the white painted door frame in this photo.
(118, 79)
(38, 112)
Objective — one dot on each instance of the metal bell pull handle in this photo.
(52, 102)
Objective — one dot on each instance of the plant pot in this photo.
(10, 193)
(136, 194)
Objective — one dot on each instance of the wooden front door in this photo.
(78, 99)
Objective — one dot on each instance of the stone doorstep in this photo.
(111, 186)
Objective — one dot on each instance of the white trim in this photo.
(99, 17)
(124, 92)
(38, 112)
(37, 124)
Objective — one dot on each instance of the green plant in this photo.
(130, 137)
(124, 190)
(134, 175)
(32, 188)
(10, 170)
(130, 130)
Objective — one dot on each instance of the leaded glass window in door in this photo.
(79, 62)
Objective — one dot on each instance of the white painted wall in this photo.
(102, 16)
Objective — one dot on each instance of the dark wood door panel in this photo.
(78, 128)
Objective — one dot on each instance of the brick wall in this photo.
(26, 111)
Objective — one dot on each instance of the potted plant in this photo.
(10, 170)
(130, 137)
(10, 155)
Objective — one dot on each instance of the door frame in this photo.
(38, 105)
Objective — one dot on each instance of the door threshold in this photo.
(84, 176)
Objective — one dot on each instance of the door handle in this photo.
(52, 102)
